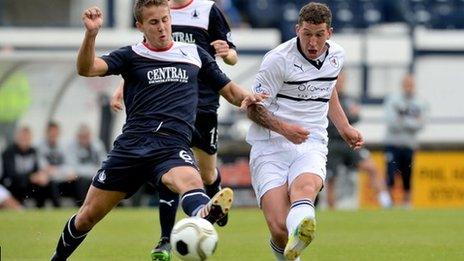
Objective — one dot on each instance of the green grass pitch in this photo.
(129, 234)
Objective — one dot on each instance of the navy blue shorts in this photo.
(128, 173)
(399, 161)
(205, 135)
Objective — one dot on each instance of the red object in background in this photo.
(236, 173)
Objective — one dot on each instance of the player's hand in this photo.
(253, 99)
(221, 47)
(295, 133)
(92, 19)
(116, 102)
(352, 137)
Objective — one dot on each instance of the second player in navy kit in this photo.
(161, 97)
(203, 24)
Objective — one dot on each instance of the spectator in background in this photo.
(7, 201)
(22, 175)
(85, 155)
(405, 115)
(341, 154)
(231, 11)
(53, 162)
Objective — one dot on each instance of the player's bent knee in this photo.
(181, 180)
(309, 189)
(278, 231)
(208, 175)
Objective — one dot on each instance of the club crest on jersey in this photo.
(195, 14)
(229, 37)
(167, 74)
(334, 61)
(259, 89)
(102, 176)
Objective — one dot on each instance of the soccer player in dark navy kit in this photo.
(198, 22)
(202, 23)
(161, 99)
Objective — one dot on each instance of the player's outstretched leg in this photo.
(69, 240)
(218, 206)
(300, 238)
(301, 225)
(162, 251)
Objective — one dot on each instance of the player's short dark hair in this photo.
(140, 4)
(315, 13)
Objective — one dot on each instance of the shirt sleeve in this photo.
(218, 27)
(270, 76)
(117, 61)
(210, 73)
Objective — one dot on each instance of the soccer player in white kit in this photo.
(288, 134)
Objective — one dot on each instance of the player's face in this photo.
(312, 38)
(156, 26)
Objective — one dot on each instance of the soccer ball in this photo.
(193, 239)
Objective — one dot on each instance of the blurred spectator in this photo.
(85, 156)
(14, 102)
(21, 170)
(232, 13)
(263, 13)
(53, 162)
(341, 154)
(7, 201)
(405, 115)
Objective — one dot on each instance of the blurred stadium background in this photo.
(383, 39)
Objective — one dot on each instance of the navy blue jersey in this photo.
(160, 91)
(201, 22)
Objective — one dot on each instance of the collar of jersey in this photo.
(158, 49)
(183, 6)
(313, 62)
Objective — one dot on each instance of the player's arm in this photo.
(261, 116)
(214, 78)
(336, 114)
(117, 101)
(228, 55)
(240, 97)
(87, 63)
(220, 32)
(269, 80)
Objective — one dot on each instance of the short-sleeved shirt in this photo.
(299, 89)
(201, 22)
(160, 91)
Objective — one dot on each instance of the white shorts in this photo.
(4, 194)
(276, 162)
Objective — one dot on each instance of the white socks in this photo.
(300, 209)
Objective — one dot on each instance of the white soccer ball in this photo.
(193, 238)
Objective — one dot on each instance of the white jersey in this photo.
(299, 89)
